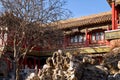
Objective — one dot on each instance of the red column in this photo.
(113, 15)
(87, 37)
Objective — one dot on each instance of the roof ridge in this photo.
(85, 17)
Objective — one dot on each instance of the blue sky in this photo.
(87, 7)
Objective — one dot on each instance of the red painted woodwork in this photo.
(108, 28)
(113, 15)
(107, 42)
(25, 61)
(38, 63)
(87, 38)
(37, 48)
(34, 62)
(65, 42)
(116, 18)
(96, 37)
(7, 61)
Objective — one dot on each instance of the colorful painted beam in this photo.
(112, 34)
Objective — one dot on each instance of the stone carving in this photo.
(118, 65)
(70, 67)
(75, 67)
(58, 67)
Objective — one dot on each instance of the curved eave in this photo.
(109, 2)
(117, 2)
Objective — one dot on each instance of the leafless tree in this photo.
(30, 23)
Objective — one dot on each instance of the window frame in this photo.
(98, 36)
(76, 38)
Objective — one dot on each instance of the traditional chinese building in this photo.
(93, 34)
(84, 35)
(114, 35)
(87, 34)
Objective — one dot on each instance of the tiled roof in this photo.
(109, 2)
(117, 2)
(86, 20)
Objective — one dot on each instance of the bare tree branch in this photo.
(29, 23)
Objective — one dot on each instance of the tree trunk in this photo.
(17, 70)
